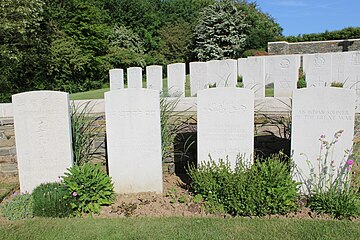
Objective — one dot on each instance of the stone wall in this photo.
(281, 48)
(8, 164)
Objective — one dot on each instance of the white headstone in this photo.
(223, 73)
(316, 113)
(43, 137)
(176, 75)
(154, 78)
(338, 67)
(134, 77)
(134, 140)
(254, 75)
(283, 71)
(198, 77)
(225, 124)
(317, 69)
(116, 79)
(352, 73)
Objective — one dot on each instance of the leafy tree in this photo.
(175, 39)
(123, 37)
(262, 27)
(220, 32)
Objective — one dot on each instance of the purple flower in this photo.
(74, 194)
(350, 162)
(322, 136)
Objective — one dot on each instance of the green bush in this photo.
(264, 188)
(49, 200)
(19, 207)
(89, 187)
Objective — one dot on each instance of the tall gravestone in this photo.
(43, 136)
(116, 79)
(154, 78)
(317, 69)
(176, 79)
(134, 140)
(213, 67)
(254, 75)
(283, 71)
(198, 77)
(134, 77)
(225, 124)
(320, 113)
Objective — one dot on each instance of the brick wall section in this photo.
(281, 48)
(8, 164)
(264, 125)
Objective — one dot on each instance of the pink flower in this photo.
(350, 162)
(74, 194)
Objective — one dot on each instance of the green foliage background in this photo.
(70, 45)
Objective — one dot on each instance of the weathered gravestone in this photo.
(225, 124)
(134, 140)
(338, 67)
(134, 77)
(283, 71)
(253, 76)
(198, 77)
(317, 69)
(43, 137)
(319, 114)
(116, 79)
(154, 78)
(176, 79)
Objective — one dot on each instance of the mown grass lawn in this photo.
(179, 228)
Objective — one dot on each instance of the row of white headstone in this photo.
(282, 70)
(225, 130)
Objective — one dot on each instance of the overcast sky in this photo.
(312, 16)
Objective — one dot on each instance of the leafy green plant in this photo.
(19, 207)
(89, 187)
(49, 200)
(329, 189)
(175, 196)
(264, 188)
(84, 132)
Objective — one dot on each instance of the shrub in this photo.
(264, 188)
(89, 187)
(49, 200)
(331, 190)
(19, 207)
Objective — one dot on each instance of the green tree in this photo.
(262, 27)
(220, 32)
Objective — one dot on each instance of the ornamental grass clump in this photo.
(89, 188)
(330, 189)
(264, 188)
(49, 200)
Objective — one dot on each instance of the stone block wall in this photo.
(8, 164)
(282, 48)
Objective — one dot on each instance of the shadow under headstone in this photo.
(265, 146)
(185, 154)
